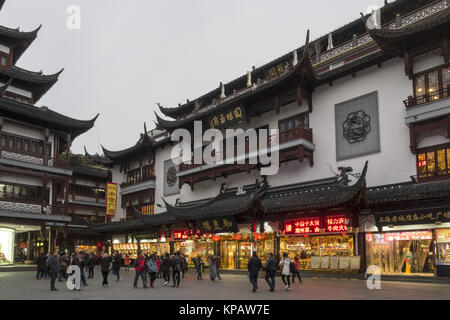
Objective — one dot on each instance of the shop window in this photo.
(401, 252)
(433, 161)
(287, 127)
(432, 84)
(148, 171)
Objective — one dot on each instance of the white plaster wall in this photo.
(23, 130)
(427, 61)
(393, 164)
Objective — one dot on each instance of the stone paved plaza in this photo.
(23, 285)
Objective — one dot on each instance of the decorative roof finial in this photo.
(295, 58)
(222, 91)
(330, 41)
(249, 78)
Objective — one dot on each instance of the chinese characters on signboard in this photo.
(111, 199)
(277, 69)
(336, 224)
(302, 226)
(218, 225)
(180, 235)
(228, 118)
(314, 225)
(417, 217)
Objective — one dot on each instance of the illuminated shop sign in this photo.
(336, 224)
(414, 217)
(302, 226)
(180, 235)
(399, 236)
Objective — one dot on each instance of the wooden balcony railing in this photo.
(430, 97)
(136, 181)
(284, 137)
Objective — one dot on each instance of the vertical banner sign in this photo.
(111, 199)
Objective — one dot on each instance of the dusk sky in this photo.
(128, 55)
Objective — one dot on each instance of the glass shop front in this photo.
(236, 249)
(6, 246)
(403, 252)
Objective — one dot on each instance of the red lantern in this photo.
(238, 237)
(215, 238)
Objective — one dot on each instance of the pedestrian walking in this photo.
(139, 267)
(217, 263)
(198, 262)
(253, 266)
(63, 264)
(184, 265)
(126, 263)
(91, 265)
(41, 265)
(212, 268)
(158, 265)
(285, 264)
(116, 265)
(177, 267)
(53, 268)
(105, 265)
(152, 269)
(271, 271)
(296, 272)
(165, 267)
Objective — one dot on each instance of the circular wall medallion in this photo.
(356, 126)
(171, 177)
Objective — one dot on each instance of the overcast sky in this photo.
(130, 54)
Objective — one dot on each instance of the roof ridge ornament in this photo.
(330, 41)
(295, 62)
(222, 91)
(249, 79)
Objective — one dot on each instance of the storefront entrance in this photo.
(406, 252)
(316, 246)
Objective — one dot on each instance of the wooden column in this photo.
(277, 104)
(412, 139)
(299, 95)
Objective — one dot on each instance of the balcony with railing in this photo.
(293, 144)
(427, 98)
(28, 150)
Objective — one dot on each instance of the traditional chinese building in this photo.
(364, 149)
(34, 155)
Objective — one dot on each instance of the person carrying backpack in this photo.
(177, 267)
(152, 269)
(139, 266)
(285, 264)
(271, 271)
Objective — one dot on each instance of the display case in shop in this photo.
(86, 249)
(158, 248)
(191, 249)
(406, 252)
(443, 252)
(316, 246)
(129, 249)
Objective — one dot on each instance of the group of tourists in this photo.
(149, 267)
(289, 269)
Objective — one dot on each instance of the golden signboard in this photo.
(111, 199)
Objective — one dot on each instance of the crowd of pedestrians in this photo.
(149, 267)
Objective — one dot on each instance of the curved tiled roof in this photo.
(20, 40)
(308, 197)
(44, 117)
(36, 82)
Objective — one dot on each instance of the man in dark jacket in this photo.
(105, 265)
(177, 267)
(63, 264)
(53, 267)
(41, 265)
(165, 267)
(139, 266)
(116, 265)
(254, 265)
(91, 265)
(271, 271)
